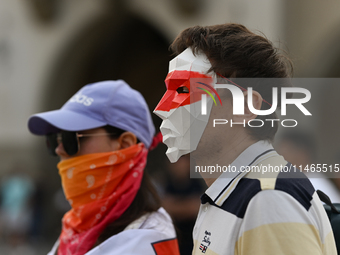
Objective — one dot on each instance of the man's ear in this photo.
(127, 139)
(257, 103)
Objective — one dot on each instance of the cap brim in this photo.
(53, 121)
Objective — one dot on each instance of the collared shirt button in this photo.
(205, 208)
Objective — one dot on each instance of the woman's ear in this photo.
(256, 103)
(127, 139)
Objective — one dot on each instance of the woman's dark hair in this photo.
(235, 52)
(146, 201)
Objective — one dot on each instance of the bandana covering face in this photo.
(183, 124)
(99, 187)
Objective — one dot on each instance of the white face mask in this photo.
(180, 108)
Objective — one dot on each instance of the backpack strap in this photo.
(324, 198)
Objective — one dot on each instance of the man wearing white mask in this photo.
(242, 212)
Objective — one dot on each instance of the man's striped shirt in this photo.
(262, 213)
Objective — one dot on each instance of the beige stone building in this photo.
(49, 49)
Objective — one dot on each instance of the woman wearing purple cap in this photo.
(102, 136)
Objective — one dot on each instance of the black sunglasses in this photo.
(70, 141)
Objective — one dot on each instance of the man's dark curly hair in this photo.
(237, 53)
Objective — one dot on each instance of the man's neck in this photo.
(224, 156)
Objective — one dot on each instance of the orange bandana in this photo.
(99, 187)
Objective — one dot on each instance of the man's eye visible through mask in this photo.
(182, 90)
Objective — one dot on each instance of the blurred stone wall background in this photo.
(51, 48)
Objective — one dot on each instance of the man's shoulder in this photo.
(296, 185)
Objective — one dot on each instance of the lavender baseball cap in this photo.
(99, 104)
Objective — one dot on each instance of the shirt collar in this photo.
(246, 158)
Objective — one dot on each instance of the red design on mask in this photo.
(173, 98)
